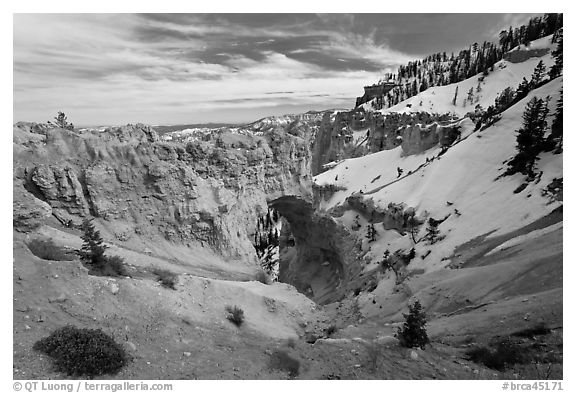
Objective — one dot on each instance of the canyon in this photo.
(356, 192)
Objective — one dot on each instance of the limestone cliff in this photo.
(371, 92)
(206, 192)
(349, 134)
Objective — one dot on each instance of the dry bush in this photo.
(166, 278)
(235, 315)
(282, 361)
(83, 351)
(262, 277)
(48, 250)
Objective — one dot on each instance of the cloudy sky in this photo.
(104, 69)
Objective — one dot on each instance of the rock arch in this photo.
(323, 260)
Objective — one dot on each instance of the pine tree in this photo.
(538, 75)
(525, 38)
(523, 89)
(470, 96)
(92, 250)
(455, 96)
(423, 86)
(371, 233)
(387, 263)
(556, 134)
(557, 54)
(504, 40)
(413, 225)
(413, 333)
(530, 138)
(432, 230)
(268, 219)
(61, 121)
(552, 23)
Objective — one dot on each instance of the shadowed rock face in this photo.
(371, 92)
(323, 259)
(519, 56)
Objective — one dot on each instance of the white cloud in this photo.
(91, 67)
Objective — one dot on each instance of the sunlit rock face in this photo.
(350, 134)
(207, 192)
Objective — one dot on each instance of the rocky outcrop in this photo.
(519, 56)
(205, 192)
(335, 138)
(28, 212)
(371, 92)
(60, 188)
(35, 128)
(395, 216)
(415, 132)
(319, 256)
(418, 138)
(330, 142)
(208, 191)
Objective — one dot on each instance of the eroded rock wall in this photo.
(208, 192)
(415, 132)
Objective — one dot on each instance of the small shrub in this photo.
(503, 356)
(537, 330)
(432, 230)
(47, 249)
(330, 330)
(413, 333)
(112, 266)
(166, 278)
(329, 187)
(235, 315)
(282, 361)
(83, 351)
(374, 351)
(371, 233)
(262, 277)
(291, 342)
(116, 265)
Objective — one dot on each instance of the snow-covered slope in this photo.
(374, 171)
(438, 99)
(464, 178)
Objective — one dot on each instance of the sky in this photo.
(160, 69)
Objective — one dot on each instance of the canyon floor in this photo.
(184, 333)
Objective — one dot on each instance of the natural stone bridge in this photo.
(318, 255)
